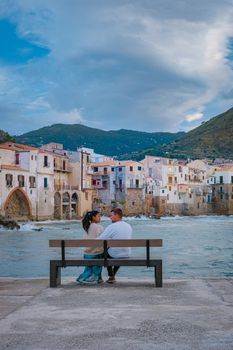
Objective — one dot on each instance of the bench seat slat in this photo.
(56, 243)
(109, 262)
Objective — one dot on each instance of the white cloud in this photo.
(194, 116)
(141, 65)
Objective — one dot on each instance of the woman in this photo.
(92, 228)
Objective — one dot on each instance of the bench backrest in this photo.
(57, 243)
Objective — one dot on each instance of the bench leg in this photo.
(158, 274)
(55, 275)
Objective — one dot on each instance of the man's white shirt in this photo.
(118, 230)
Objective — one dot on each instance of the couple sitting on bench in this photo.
(119, 229)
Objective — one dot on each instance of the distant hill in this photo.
(112, 143)
(212, 139)
(4, 137)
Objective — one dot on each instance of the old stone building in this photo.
(41, 184)
(222, 191)
(27, 183)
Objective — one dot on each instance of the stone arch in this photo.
(66, 209)
(74, 205)
(18, 205)
(57, 205)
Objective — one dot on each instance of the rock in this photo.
(155, 216)
(10, 224)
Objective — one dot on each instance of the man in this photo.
(119, 229)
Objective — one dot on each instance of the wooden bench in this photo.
(56, 265)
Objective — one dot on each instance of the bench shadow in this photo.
(118, 284)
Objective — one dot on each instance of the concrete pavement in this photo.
(132, 314)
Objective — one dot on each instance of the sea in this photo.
(193, 247)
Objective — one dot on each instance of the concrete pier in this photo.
(131, 314)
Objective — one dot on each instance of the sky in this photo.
(147, 65)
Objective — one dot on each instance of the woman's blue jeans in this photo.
(89, 271)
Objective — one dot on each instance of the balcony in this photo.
(62, 169)
(182, 189)
(58, 187)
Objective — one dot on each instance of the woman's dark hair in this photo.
(86, 221)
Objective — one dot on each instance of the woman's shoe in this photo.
(111, 280)
(90, 280)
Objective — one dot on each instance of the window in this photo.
(170, 179)
(32, 181)
(180, 169)
(221, 179)
(45, 182)
(46, 164)
(162, 191)
(9, 180)
(232, 179)
(221, 190)
(105, 171)
(93, 182)
(137, 183)
(120, 184)
(175, 180)
(112, 169)
(86, 196)
(120, 169)
(139, 168)
(17, 158)
(21, 180)
(105, 184)
(31, 157)
(130, 168)
(64, 165)
(95, 169)
(170, 188)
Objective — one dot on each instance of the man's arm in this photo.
(107, 234)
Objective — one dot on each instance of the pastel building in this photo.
(119, 183)
(222, 191)
(27, 182)
(174, 187)
(73, 194)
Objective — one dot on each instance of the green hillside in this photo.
(212, 139)
(112, 143)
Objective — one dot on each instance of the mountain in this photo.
(4, 137)
(212, 139)
(112, 143)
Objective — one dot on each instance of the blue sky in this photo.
(150, 65)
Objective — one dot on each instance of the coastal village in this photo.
(51, 183)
